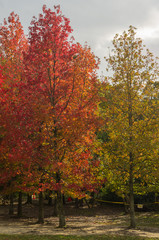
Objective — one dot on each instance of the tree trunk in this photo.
(92, 200)
(55, 210)
(132, 208)
(41, 208)
(81, 202)
(126, 200)
(63, 197)
(19, 210)
(87, 203)
(131, 157)
(62, 222)
(50, 201)
(11, 205)
(29, 199)
(76, 203)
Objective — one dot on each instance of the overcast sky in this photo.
(96, 21)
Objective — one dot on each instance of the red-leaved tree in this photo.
(64, 74)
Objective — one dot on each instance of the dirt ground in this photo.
(98, 220)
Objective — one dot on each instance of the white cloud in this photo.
(148, 33)
(96, 21)
(150, 30)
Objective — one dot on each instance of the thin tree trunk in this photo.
(126, 200)
(92, 200)
(11, 205)
(61, 214)
(29, 199)
(19, 210)
(50, 202)
(55, 210)
(131, 157)
(41, 208)
(60, 208)
(64, 201)
(132, 208)
(87, 203)
(81, 203)
(76, 203)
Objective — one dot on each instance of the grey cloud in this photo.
(94, 21)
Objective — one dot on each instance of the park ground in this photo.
(100, 222)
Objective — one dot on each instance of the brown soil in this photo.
(83, 221)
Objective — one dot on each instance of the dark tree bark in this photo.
(61, 214)
(126, 200)
(60, 207)
(81, 202)
(41, 208)
(19, 210)
(131, 159)
(64, 201)
(92, 200)
(29, 199)
(11, 205)
(50, 202)
(76, 203)
(132, 208)
(55, 210)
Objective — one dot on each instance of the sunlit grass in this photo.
(148, 220)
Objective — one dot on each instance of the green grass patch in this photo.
(60, 237)
(148, 220)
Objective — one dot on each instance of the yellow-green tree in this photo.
(131, 110)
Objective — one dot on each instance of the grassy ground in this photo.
(148, 219)
(94, 237)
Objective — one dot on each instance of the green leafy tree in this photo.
(129, 104)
